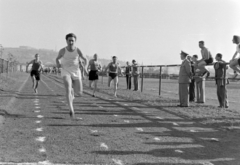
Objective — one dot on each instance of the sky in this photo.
(150, 31)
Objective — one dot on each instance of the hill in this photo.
(25, 54)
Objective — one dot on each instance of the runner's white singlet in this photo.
(70, 64)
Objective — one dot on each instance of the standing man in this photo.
(113, 68)
(135, 74)
(192, 84)
(184, 80)
(94, 66)
(206, 58)
(200, 80)
(219, 77)
(35, 71)
(68, 59)
(128, 73)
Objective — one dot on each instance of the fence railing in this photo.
(8, 67)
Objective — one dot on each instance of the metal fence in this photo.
(8, 67)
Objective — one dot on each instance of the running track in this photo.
(108, 131)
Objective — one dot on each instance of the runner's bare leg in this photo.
(68, 86)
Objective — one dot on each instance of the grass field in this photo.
(170, 89)
(169, 98)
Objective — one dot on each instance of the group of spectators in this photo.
(193, 74)
(132, 71)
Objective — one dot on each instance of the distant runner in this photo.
(68, 59)
(113, 68)
(35, 71)
(94, 66)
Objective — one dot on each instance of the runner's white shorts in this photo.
(75, 74)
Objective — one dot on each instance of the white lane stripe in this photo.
(115, 115)
(157, 139)
(38, 121)
(175, 123)
(139, 129)
(94, 131)
(135, 108)
(159, 117)
(193, 130)
(36, 111)
(126, 121)
(100, 107)
(103, 145)
(118, 162)
(37, 107)
(40, 116)
(125, 104)
(41, 139)
(39, 129)
(179, 151)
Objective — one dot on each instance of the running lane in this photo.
(107, 131)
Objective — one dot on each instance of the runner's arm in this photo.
(60, 55)
(31, 62)
(107, 68)
(83, 57)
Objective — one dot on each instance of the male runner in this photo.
(113, 68)
(68, 60)
(35, 71)
(94, 66)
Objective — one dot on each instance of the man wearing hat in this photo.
(185, 76)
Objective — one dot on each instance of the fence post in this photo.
(160, 80)
(142, 80)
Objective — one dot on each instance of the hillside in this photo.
(48, 57)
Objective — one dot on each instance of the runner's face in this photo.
(114, 59)
(37, 57)
(71, 41)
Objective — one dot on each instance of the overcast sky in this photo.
(150, 31)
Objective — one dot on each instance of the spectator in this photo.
(135, 74)
(219, 77)
(192, 84)
(128, 73)
(199, 80)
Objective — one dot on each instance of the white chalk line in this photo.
(40, 116)
(103, 145)
(139, 129)
(38, 121)
(41, 139)
(39, 129)
(117, 161)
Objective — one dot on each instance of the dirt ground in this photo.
(136, 129)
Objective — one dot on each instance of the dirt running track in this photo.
(108, 131)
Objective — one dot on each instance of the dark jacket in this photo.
(219, 73)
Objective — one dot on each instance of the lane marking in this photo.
(41, 139)
(39, 129)
(159, 117)
(94, 131)
(125, 104)
(37, 107)
(100, 107)
(40, 116)
(37, 111)
(179, 151)
(126, 121)
(38, 121)
(103, 145)
(135, 108)
(117, 161)
(175, 123)
(157, 139)
(193, 130)
(115, 115)
(139, 129)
